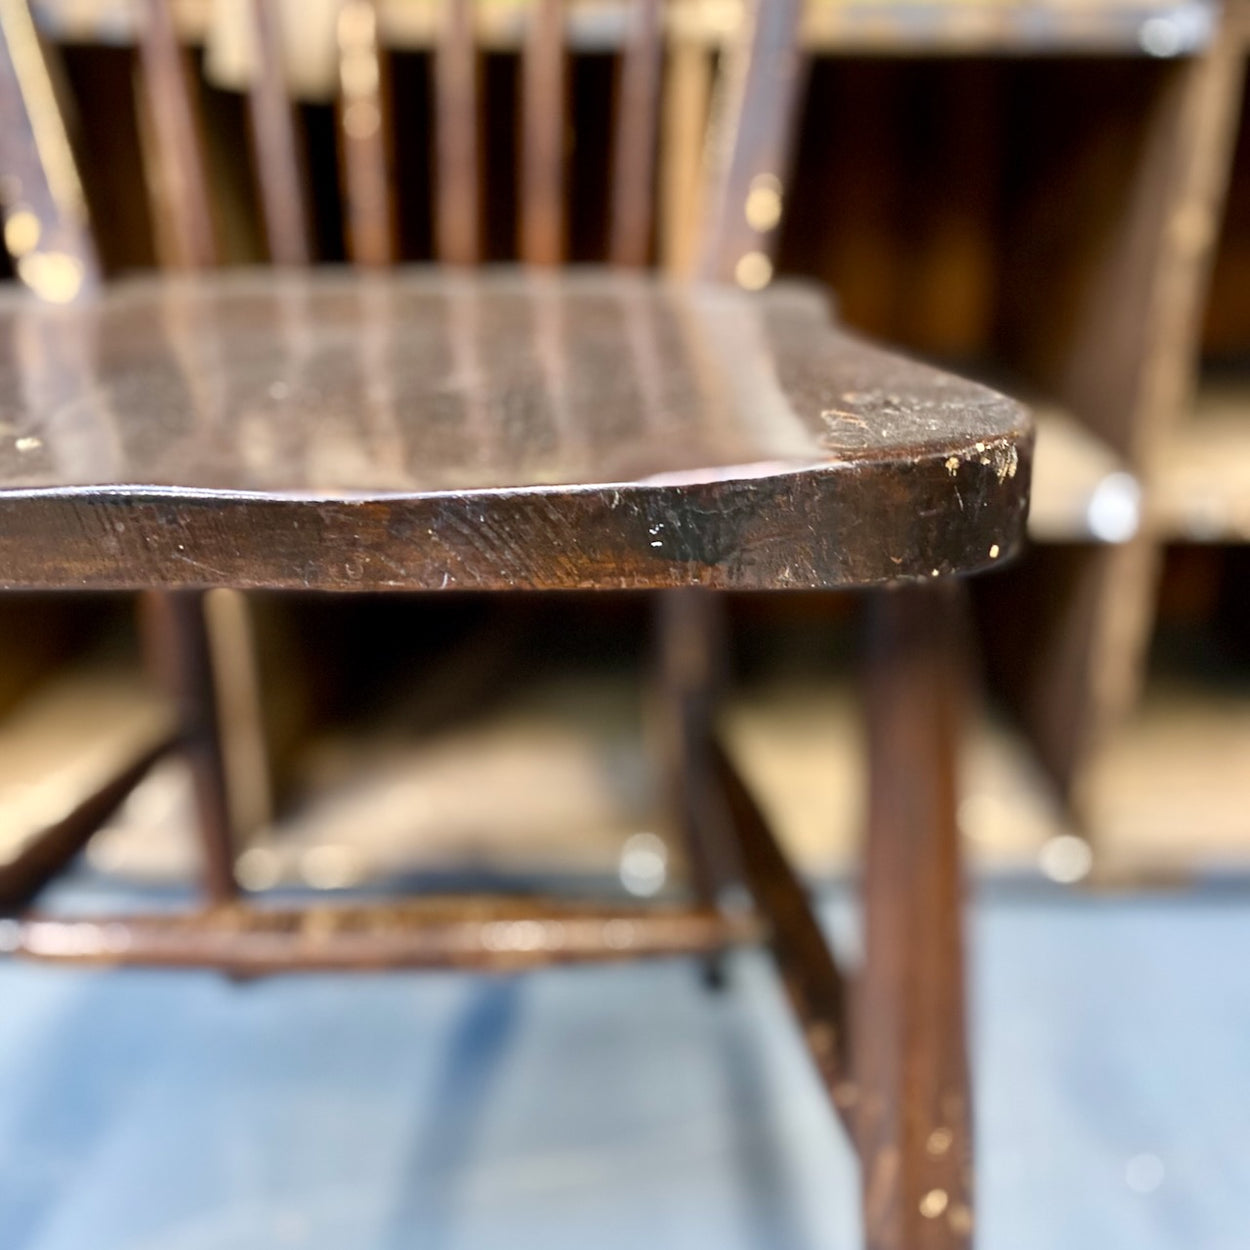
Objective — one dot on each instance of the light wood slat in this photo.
(179, 179)
(543, 99)
(458, 209)
(687, 94)
(45, 212)
(637, 108)
(1082, 490)
(1167, 794)
(364, 137)
(1202, 471)
(278, 165)
(749, 143)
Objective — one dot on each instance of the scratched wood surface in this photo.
(427, 431)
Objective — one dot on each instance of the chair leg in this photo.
(690, 630)
(176, 636)
(912, 1114)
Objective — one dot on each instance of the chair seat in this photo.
(428, 430)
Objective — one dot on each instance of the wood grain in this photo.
(911, 1105)
(769, 449)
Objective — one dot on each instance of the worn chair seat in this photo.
(432, 429)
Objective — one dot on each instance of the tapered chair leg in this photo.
(690, 645)
(177, 644)
(912, 1115)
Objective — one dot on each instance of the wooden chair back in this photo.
(742, 167)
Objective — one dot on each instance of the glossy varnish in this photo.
(435, 430)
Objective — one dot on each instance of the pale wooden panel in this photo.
(1202, 471)
(556, 780)
(1168, 795)
(687, 97)
(1082, 491)
(66, 740)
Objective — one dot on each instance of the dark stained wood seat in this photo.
(432, 430)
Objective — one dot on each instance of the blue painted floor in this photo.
(622, 1107)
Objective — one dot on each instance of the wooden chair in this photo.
(509, 430)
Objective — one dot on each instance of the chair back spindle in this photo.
(740, 188)
(637, 113)
(371, 237)
(279, 169)
(46, 229)
(544, 88)
(457, 120)
(182, 197)
(748, 145)
(687, 94)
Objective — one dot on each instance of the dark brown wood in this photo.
(365, 139)
(279, 164)
(749, 142)
(458, 211)
(45, 213)
(480, 933)
(178, 644)
(808, 969)
(911, 1092)
(637, 116)
(543, 121)
(690, 629)
(42, 859)
(784, 454)
(514, 430)
(182, 199)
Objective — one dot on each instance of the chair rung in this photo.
(445, 932)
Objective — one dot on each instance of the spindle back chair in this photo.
(608, 430)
